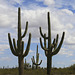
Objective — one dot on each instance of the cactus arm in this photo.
(15, 47)
(56, 40)
(40, 62)
(28, 46)
(60, 44)
(53, 41)
(14, 43)
(42, 33)
(45, 45)
(44, 41)
(33, 60)
(46, 53)
(11, 46)
(42, 45)
(37, 63)
(25, 30)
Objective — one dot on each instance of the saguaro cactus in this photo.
(52, 48)
(19, 49)
(37, 59)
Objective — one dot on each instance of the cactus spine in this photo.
(52, 48)
(19, 49)
(37, 59)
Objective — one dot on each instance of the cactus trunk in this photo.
(36, 66)
(49, 65)
(21, 65)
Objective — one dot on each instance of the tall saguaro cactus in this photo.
(37, 59)
(52, 48)
(19, 49)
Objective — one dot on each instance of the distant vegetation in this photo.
(41, 71)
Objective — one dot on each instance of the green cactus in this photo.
(25, 65)
(32, 62)
(52, 48)
(19, 49)
(37, 59)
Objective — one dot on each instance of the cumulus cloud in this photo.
(49, 2)
(16, 1)
(39, 0)
(3, 47)
(66, 52)
(7, 16)
(1, 52)
(67, 11)
(59, 21)
(5, 58)
(31, 51)
(73, 60)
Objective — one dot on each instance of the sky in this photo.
(62, 17)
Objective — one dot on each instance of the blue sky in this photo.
(62, 14)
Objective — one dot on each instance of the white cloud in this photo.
(66, 52)
(31, 51)
(49, 2)
(67, 11)
(14, 2)
(59, 21)
(73, 60)
(1, 52)
(17, 1)
(69, 26)
(61, 63)
(5, 58)
(3, 47)
(7, 16)
(39, 0)
(70, 40)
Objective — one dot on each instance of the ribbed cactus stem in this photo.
(19, 49)
(37, 55)
(52, 48)
(19, 24)
(49, 32)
